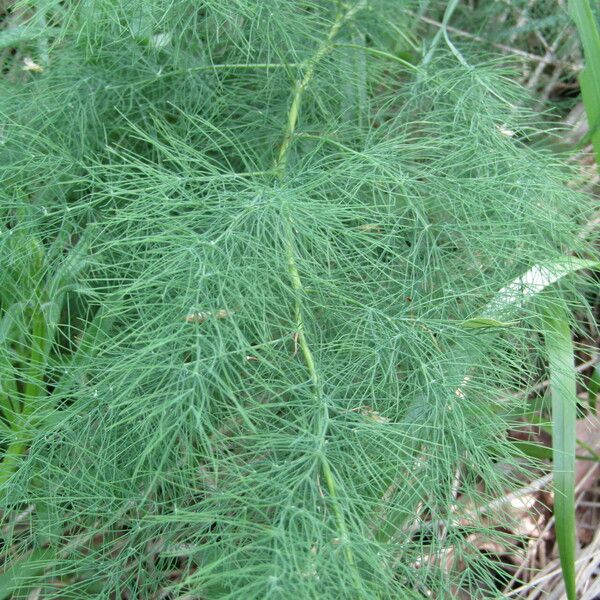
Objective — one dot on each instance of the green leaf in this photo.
(561, 366)
(594, 387)
(524, 287)
(589, 80)
(533, 450)
(9, 394)
(541, 452)
(15, 577)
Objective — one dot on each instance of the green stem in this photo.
(301, 85)
(442, 31)
(279, 167)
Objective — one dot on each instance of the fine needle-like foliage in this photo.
(259, 376)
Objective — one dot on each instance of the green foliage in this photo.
(36, 282)
(589, 80)
(267, 370)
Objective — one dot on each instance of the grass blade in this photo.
(594, 387)
(561, 367)
(589, 80)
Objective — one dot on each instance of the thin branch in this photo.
(546, 60)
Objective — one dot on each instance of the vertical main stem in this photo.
(309, 70)
(302, 84)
